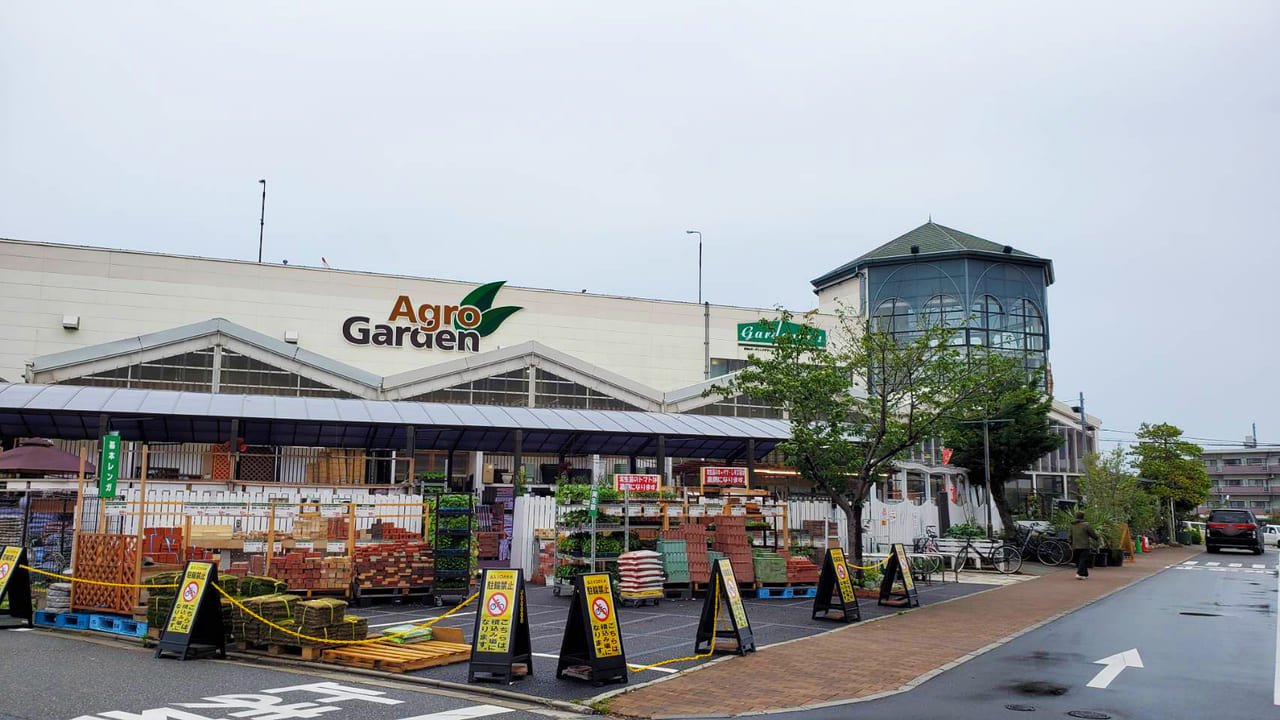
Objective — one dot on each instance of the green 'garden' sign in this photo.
(763, 332)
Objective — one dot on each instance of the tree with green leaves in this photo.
(1015, 444)
(864, 401)
(1173, 466)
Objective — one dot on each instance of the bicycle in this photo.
(1049, 551)
(925, 558)
(1004, 558)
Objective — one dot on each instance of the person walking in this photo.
(1079, 534)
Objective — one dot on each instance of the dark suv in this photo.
(1234, 529)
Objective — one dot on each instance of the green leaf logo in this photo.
(490, 317)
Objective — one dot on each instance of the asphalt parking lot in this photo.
(650, 634)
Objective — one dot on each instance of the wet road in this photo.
(1204, 633)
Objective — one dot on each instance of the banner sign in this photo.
(723, 600)
(637, 483)
(591, 648)
(835, 590)
(946, 456)
(15, 582)
(194, 627)
(500, 640)
(109, 465)
(898, 570)
(724, 476)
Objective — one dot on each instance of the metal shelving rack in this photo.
(462, 552)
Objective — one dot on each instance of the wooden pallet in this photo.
(390, 657)
(309, 653)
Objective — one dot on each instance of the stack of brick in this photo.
(695, 540)
(546, 562)
(731, 539)
(398, 564)
(769, 566)
(310, 570)
(488, 544)
(801, 570)
(388, 531)
(162, 545)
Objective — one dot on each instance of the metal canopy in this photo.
(71, 412)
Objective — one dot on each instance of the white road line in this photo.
(1259, 566)
(1235, 564)
(1213, 564)
(475, 711)
(1275, 698)
(1191, 562)
(19, 629)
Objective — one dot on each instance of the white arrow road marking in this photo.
(1190, 562)
(1235, 564)
(1114, 664)
(1213, 564)
(1258, 566)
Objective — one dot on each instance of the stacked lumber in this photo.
(310, 570)
(399, 564)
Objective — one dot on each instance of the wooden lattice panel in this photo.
(105, 558)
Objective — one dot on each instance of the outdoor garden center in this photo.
(322, 529)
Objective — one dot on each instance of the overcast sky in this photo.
(569, 146)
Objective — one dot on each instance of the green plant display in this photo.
(455, 501)
(449, 542)
(455, 522)
(451, 563)
(965, 531)
(583, 517)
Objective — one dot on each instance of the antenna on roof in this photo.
(930, 217)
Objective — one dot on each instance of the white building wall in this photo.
(122, 294)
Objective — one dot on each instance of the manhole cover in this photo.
(1020, 708)
(1200, 614)
(1089, 715)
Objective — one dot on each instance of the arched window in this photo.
(894, 316)
(986, 324)
(1026, 321)
(946, 311)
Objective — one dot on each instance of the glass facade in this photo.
(194, 372)
(989, 303)
(740, 406)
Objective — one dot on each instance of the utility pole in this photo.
(262, 218)
(986, 463)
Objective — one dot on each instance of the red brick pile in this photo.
(801, 570)
(389, 531)
(695, 539)
(546, 564)
(731, 539)
(488, 544)
(311, 570)
(162, 545)
(397, 564)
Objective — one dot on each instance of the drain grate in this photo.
(1089, 715)
(1020, 708)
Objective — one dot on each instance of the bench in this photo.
(950, 548)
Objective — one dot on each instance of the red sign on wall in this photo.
(724, 476)
(946, 456)
(637, 483)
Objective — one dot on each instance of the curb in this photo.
(929, 675)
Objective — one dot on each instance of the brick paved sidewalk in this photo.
(859, 661)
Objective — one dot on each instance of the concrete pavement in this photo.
(48, 677)
(1204, 633)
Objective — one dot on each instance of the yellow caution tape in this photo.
(715, 623)
(92, 582)
(872, 567)
(367, 641)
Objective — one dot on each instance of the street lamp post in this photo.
(699, 234)
(262, 218)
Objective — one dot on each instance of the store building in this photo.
(115, 318)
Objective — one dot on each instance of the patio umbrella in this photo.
(37, 455)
